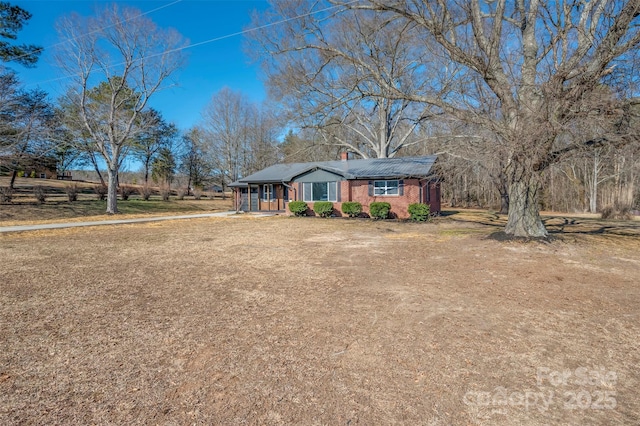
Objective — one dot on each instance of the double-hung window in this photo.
(319, 191)
(267, 192)
(386, 187)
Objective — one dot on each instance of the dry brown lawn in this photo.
(310, 321)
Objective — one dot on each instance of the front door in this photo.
(255, 199)
(244, 199)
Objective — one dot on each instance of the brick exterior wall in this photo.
(434, 199)
(399, 203)
(358, 190)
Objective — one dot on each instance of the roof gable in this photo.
(318, 174)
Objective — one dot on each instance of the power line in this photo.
(211, 40)
(97, 30)
(271, 24)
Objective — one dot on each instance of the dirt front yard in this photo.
(310, 321)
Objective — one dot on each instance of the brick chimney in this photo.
(344, 156)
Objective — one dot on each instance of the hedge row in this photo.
(378, 210)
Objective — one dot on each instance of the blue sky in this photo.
(209, 68)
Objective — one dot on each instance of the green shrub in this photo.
(323, 208)
(419, 212)
(351, 208)
(379, 210)
(299, 208)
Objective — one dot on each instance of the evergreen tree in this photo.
(12, 19)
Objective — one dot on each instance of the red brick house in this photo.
(398, 181)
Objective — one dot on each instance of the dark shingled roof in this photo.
(372, 168)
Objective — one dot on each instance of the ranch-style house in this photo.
(398, 181)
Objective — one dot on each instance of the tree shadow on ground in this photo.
(557, 225)
(560, 225)
(481, 217)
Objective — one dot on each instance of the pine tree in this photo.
(12, 19)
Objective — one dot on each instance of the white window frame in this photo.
(310, 197)
(383, 191)
(269, 191)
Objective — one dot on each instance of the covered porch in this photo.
(253, 197)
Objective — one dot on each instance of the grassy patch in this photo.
(26, 210)
(462, 231)
(26, 213)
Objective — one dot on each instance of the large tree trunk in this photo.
(112, 191)
(524, 211)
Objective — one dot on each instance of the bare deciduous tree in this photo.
(194, 159)
(116, 60)
(242, 135)
(591, 179)
(224, 120)
(526, 71)
(314, 64)
(306, 146)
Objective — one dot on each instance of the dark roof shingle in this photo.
(372, 168)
